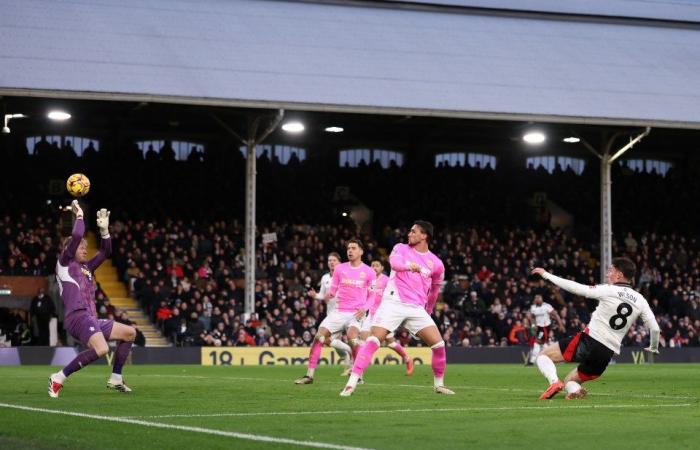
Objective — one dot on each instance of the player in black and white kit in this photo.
(619, 306)
(540, 314)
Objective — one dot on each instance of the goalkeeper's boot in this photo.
(119, 386)
(54, 386)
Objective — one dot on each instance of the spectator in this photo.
(42, 309)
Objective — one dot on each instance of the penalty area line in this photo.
(168, 426)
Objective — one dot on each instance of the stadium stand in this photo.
(186, 272)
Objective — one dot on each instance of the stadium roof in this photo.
(393, 57)
(663, 10)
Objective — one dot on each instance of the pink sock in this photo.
(439, 361)
(365, 355)
(395, 346)
(315, 354)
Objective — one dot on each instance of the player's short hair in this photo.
(377, 261)
(626, 266)
(355, 241)
(336, 255)
(426, 227)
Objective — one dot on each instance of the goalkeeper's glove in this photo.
(77, 210)
(103, 223)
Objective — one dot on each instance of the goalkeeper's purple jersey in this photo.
(76, 281)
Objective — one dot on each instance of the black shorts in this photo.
(592, 356)
(542, 336)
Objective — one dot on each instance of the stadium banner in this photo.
(519, 355)
(284, 356)
(270, 356)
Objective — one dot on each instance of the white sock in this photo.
(310, 372)
(572, 387)
(116, 377)
(352, 381)
(60, 376)
(535, 352)
(438, 381)
(343, 350)
(547, 368)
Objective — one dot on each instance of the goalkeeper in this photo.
(75, 274)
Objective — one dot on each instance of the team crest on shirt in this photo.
(87, 273)
(363, 275)
(429, 263)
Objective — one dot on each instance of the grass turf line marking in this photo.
(390, 411)
(232, 434)
(417, 386)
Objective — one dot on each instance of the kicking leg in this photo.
(573, 383)
(545, 362)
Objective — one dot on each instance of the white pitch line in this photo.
(391, 411)
(232, 434)
(416, 386)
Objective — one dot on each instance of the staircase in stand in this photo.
(119, 297)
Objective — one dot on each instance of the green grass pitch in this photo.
(495, 406)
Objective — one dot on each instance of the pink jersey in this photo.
(351, 286)
(377, 293)
(415, 288)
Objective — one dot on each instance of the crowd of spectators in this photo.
(28, 244)
(189, 280)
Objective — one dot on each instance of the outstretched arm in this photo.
(568, 285)
(105, 240)
(68, 252)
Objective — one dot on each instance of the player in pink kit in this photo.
(76, 281)
(409, 298)
(376, 300)
(350, 286)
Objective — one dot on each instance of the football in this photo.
(78, 185)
